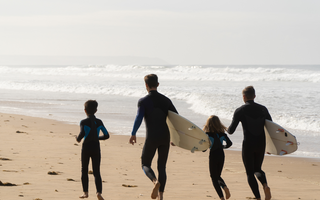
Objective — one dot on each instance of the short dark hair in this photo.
(91, 106)
(151, 80)
(249, 92)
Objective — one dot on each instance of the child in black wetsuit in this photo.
(89, 130)
(216, 132)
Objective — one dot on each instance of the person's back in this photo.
(154, 109)
(89, 131)
(252, 117)
(156, 112)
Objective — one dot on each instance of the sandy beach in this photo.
(31, 148)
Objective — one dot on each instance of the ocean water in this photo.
(291, 93)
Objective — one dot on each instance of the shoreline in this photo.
(36, 146)
(142, 130)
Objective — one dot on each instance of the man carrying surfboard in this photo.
(154, 109)
(252, 117)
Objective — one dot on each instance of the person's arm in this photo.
(137, 124)
(172, 108)
(81, 134)
(228, 142)
(234, 123)
(211, 142)
(268, 115)
(105, 133)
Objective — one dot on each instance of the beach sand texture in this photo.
(42, 158)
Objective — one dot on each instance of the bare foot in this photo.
(85, 195)
(155, 190)
(99, 196)
(267, 192)
(226, 190)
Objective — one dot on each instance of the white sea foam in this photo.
(291, 93)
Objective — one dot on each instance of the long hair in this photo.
(214, 125)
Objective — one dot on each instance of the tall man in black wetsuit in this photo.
(252, 117)
(154, 109)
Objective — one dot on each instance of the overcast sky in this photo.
(177, 31)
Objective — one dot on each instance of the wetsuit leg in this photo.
(163, 151)
(148, 152)
(85, 158)
(216, 162)
(96, 160)
(259, 157)
(249, 159)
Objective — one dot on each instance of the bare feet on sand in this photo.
(85, 195)
(267, 192)
(99, 196)
(226, 190)
(155, 190)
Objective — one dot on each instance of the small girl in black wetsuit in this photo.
(216, 132)
(89, 130)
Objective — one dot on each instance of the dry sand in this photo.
(32, 147)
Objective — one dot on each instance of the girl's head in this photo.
(214, 125)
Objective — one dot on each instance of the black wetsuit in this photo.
(154, 109)
(216, 159)
(252, 117)
(89, 130)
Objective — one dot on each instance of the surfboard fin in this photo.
(283, 152)
(194, 149)
(202, 141)
(280, 130)
(289, 143)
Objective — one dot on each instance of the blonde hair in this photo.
(214, 125)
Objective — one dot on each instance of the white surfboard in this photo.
(185, 134)
(279, 141)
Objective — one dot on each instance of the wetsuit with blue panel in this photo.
(89, 131)
(216, 159)
(252, 117)
(154, 109)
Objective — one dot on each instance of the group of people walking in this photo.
(153, 108)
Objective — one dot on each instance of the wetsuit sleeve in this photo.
(228, 142)
(138, 120)
(105, 133)
(235, 122)
(173, 109)
(82, 132)
(268, 115)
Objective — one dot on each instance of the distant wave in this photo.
(199, 73)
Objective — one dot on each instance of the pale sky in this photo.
(181, 32)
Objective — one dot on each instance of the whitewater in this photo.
(291, 94)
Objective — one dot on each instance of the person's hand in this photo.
(76, 139)
(133, 139)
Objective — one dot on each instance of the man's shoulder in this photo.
(145, 98)
(260, 105)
